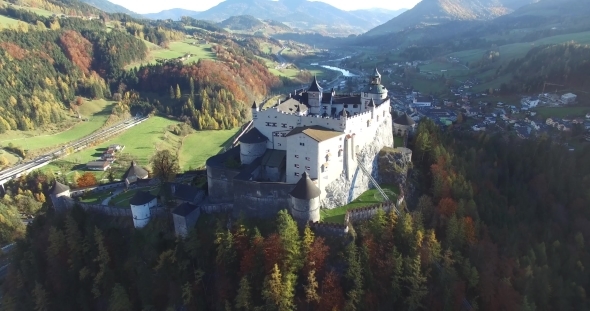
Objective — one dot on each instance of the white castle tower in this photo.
(314, 97)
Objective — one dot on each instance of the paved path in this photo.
(115, 193)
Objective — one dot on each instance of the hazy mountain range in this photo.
(301, 14)
(429, 12)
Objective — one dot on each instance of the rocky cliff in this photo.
(342, 191)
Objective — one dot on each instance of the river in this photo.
(344, 72)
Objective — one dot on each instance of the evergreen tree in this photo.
(172, 95)
(354, 275)
(119, 300)
(177, 94)
(289, 233)
(244, 296)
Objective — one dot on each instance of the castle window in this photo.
(301, 144)
(308, 168)
(297, 156)
(368, 123)
(279, 144)
(297, 165)
(355, 106)
(284, 125)
(297, 174)
(339, 153)
(307, 158)
(274, 125)
(291, 127)
(377, 118)
(345, 105)
(268, 124)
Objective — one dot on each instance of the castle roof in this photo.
(316, 132)
(254, 105)
(314, 87)
(184, 209)
(253, 137)
(292, 105)
(141, 198)
(404, 119)
(135, 171)
(372, 102)
(374, 89)
(305, 189)
(58, 188)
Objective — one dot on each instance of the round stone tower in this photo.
(252, 146)
(374, 90)
(305, 200)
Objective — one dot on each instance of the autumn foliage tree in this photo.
(87, 179)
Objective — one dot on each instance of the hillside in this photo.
(433, 12)
(173, 14)
(242, 22)
(109, 7)
(377, 16)
(303, 14)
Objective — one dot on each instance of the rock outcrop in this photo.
(394, 165)
(343, 191)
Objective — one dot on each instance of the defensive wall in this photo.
(221, 183)
(260, 199)
(81, 191)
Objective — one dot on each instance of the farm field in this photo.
(562, 112)
(38, 11)
(97, 112)
(176, 49)
(6, 22)
(370, 197)
(199, 146)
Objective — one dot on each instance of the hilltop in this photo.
(433, 12)
(109, 7)
(251, 24)
(303, 14)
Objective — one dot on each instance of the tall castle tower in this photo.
(374, 90)
(314, 97)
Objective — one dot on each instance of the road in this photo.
(281, 59)
(42, 160)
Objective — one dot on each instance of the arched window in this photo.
(368, 123)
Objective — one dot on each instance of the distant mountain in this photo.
(303, 14)
(377, 16)
(242, 22)
(109, 7)
(173, 14)
(429, 12)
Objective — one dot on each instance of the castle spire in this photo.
(255, 105)
(314, 87)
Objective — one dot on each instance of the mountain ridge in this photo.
(441, 11)
(173, 14)
(110, 7)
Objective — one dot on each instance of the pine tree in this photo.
(290, 241)
(178, 95)
(244, 296)
(102, 260)
(415, 283)
(119, 300)
(311, 289)
(354, 275)
(192, 86)
(40, 297)
(308, 238)
(279, 290)
(172, 93)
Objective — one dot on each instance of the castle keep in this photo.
(304, 153)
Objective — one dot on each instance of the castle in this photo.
(304, 153)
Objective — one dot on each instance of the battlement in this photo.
(328, 228)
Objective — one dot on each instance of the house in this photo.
(98, 165)
(421, 101)
(530, 102)
(185, 217)
(134, 173)
(568, 98)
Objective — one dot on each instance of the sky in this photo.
(153, 6)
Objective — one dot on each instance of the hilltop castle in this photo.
(304, 153)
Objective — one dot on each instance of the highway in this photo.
(42, 160)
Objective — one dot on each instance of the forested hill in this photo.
(45, 66)
(501, 224)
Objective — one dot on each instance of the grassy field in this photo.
(97, 112)
(562, 112)
(7, 22)
(199, 146)
(122, 200)
(38, 11)
(370, 197)
(141, 141)
(11, 158)
(176, 49)
(95, 197)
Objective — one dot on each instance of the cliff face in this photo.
(343, 191)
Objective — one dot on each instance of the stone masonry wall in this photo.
(342, 191)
